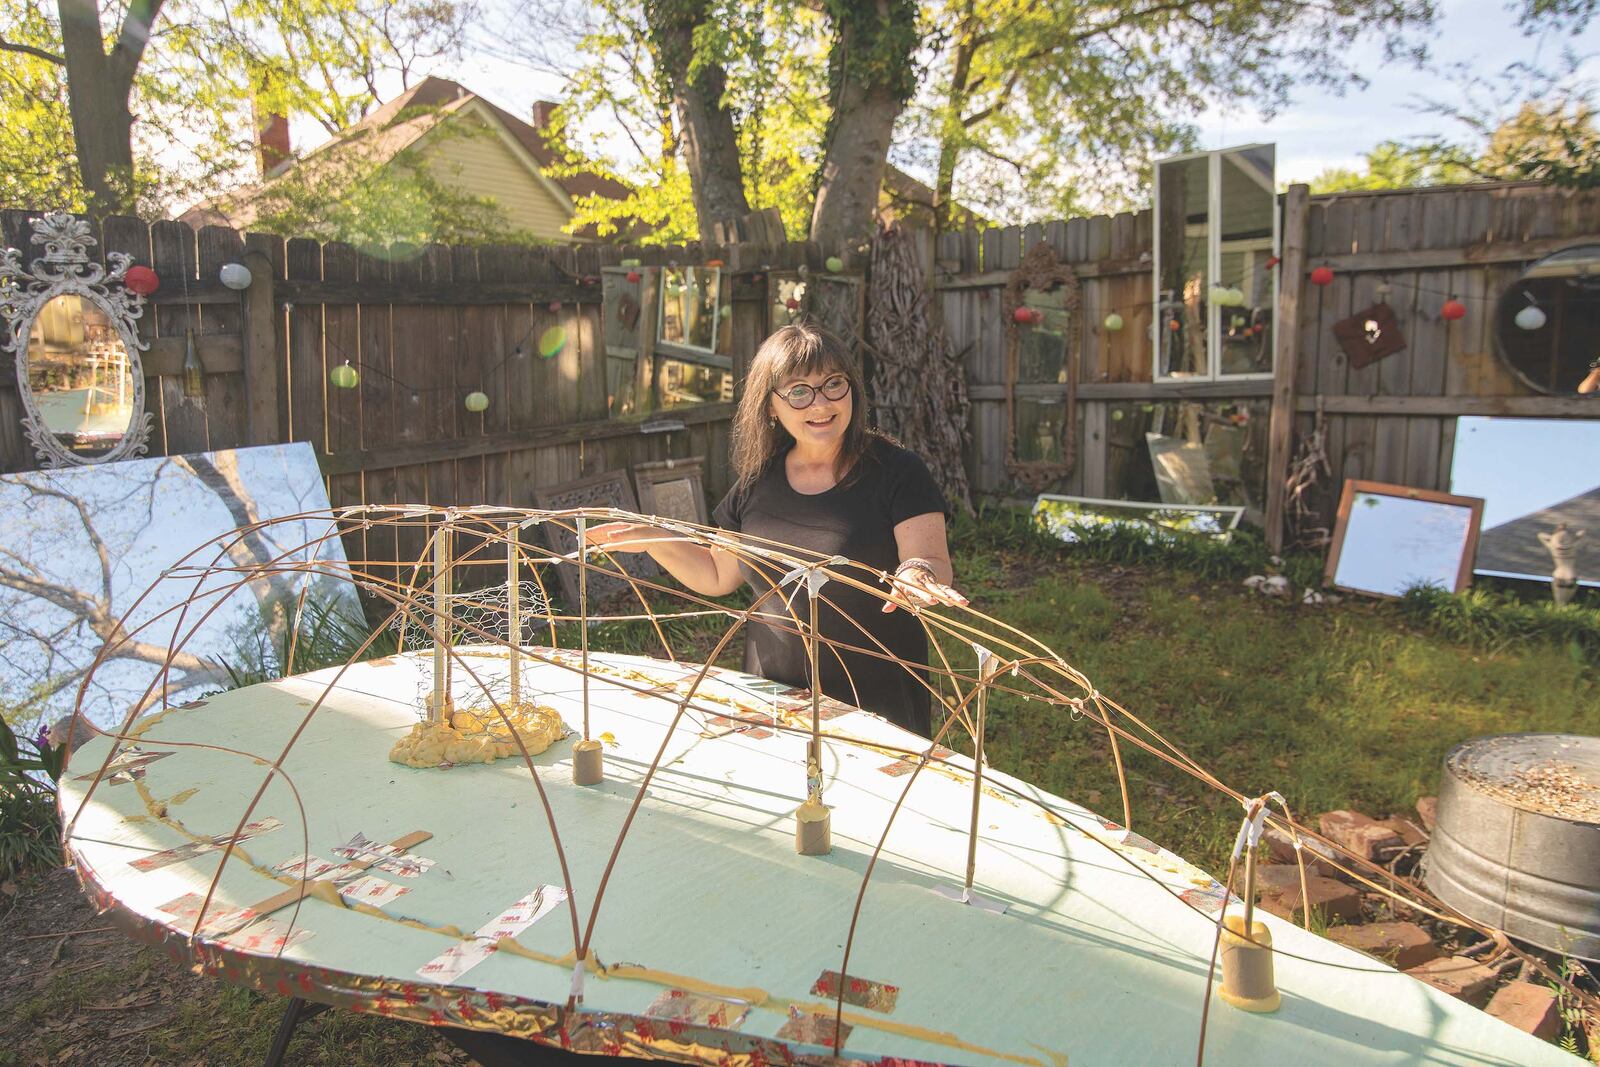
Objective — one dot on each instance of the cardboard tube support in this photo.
(588, 763)
(813, 835)
(1247, 979)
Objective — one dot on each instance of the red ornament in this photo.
(1322, 276)
(1174, 325)
(1452, 310)
(1273, 261)
(141, 280)
(713, 263)
(1022, 315)
(634, 276)
(792, 304)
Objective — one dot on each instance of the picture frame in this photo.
(609, 489)
(673, 489)
(1388, 538)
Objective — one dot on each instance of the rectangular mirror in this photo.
(1533, 475)
(1389, 538)
(1042, 349)
(1040, 424)
(1248, 241)
(1183, 271)
(1065, 516)
(694, 314)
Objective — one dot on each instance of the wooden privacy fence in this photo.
(426, 326)
(1393, 420)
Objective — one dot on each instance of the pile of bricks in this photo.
(1372, 924)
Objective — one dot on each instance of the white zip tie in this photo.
(575, 991)
(1255, 821)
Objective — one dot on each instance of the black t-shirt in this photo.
(855, 519)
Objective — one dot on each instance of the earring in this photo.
(772, 422)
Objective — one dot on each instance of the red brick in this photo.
(1428, 811)
(1461, 976)
(1333, 900)
(1405, 945)
(1409, 831)
(1359, 833)
(1528, 1007)
(1319, 857)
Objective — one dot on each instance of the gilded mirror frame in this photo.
(65, 269)
(1040, 271)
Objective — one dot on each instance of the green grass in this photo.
(1348, 705)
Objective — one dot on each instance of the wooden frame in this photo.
(651, 478)
(609, 489)
(1352, 486)
(1041, 271)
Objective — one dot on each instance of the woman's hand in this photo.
(919, 587)
(626, 537)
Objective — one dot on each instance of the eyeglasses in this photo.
(803, 396)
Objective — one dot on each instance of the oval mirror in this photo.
(1547, 323)
(80, 375)
(69, 322)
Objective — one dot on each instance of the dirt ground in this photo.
(74, 990)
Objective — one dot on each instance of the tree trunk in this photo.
(872, 75)
(98, 88)
(709, 141)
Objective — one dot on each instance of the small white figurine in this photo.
(1563, 548)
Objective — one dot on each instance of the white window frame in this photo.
(682, 351)
(1214, 251)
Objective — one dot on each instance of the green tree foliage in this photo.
(617, 116)
(209, 67)
(1044, 109)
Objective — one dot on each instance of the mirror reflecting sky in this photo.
(1392, 543)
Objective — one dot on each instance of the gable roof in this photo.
(1514, 548)
(397, 125)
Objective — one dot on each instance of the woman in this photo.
(809, 473)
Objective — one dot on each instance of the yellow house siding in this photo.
(482, 164)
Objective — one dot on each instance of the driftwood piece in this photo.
(919, 386)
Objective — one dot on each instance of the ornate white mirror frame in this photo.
(66, 269)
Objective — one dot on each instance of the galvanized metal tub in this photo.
(1517, 843)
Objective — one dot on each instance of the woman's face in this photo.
(823, 421)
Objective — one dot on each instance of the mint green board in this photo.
(1091, 963)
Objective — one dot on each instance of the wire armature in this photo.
(477, 576)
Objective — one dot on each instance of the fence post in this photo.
(264, 256)
(1286, 338)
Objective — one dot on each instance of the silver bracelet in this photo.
(918, 561)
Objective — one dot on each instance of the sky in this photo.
(1522, 465)
(1317, 130)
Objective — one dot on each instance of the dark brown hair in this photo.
(798, 350)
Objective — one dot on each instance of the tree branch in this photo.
(30, 50)
(133, 40)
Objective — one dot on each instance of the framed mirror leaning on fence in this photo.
(69, 324)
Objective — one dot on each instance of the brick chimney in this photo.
(543, 112)
(272, 141)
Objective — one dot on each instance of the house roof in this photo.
(390, 129)
(1514, 548)
(908, 196)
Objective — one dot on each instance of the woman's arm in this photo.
(707, 571)
(922, 538)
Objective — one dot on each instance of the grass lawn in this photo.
(1343, 705)
(1346, 705)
